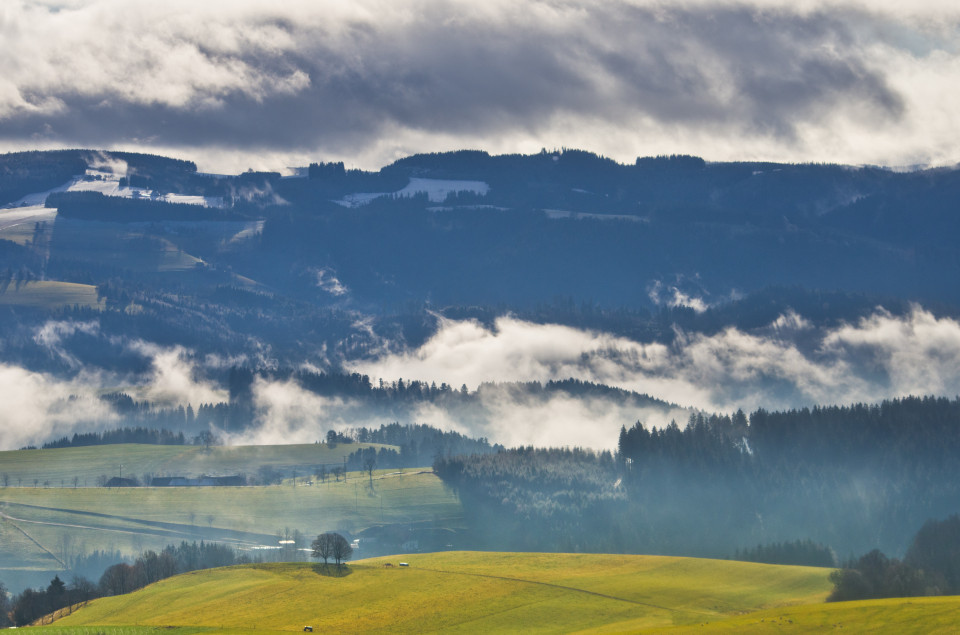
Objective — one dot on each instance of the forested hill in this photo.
(468, 228)
(851, 478)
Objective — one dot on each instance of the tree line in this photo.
(847, 478)
(149, 436)
(32, 604)
(931, 566)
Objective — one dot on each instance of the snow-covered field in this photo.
(108, 184)
(435, 189)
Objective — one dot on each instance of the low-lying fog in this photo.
(789, 363)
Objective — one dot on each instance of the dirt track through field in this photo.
(570, 588)
(153, 528)
(31, 538)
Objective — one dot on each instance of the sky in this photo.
(238, 84)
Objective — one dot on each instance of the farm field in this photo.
(43, 528)
(90, 462)
(458, 592)
(352, 505)
(27, 226)
(50, 294)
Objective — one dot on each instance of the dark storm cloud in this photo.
(304, 76)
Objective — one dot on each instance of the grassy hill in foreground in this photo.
(893, 615)
(458, 591)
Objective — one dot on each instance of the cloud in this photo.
(672, 296)
(173, 377)
(513, 417)
(38, 407)
(286, 413)
(787, 364)
(328, 281)
(51, 334)
(368, 81)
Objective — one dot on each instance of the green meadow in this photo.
(50, 294)
(57, 467)
(43, 527)
(465, 592)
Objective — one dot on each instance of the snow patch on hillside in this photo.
(108, 184)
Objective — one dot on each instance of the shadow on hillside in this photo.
(332, 570)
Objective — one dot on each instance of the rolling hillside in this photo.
(459, 592)
(45, 528)
(47, 294)
(89, 462)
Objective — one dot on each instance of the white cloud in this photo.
(328, 281)
(38, 407)
(879, 357)
(789, 363)
(51, 334)
(173, 379)
(286, 413)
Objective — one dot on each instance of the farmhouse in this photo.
(116, 481)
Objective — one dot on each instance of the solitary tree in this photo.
(331, 545)
(341, 549)
(323, 547)
(369, 465)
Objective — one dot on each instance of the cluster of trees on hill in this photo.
(97, 207)
(32, 604)
(150, 436)
(843, 477)
(331, 545)
(419, 444)
(931, 567)
(23, 173)
(539, 499)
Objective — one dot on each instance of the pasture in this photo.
(459, 592)
(58, 467)
(50, 294)
(45, 527)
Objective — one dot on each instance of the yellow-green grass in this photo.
(894, 615)
(50, 294)
(466, 592)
